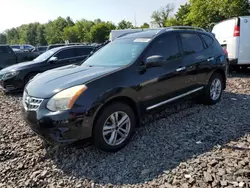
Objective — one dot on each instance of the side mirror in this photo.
(52, 60)
(154, 61)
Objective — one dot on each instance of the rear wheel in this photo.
(213, 90)
(114, 127)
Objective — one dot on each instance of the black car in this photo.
(14, 78)
(105, 97)
(11, 56)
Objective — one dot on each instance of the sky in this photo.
(14, 13)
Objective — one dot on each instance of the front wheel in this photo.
(114, 127)
(213, 90)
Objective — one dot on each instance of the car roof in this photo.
(72, 46)
(151, 33)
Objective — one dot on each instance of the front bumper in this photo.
(58, 127)
(12, 84)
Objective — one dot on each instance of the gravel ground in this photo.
(187, 145)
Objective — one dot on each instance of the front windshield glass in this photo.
(44, 56)
(118, 53)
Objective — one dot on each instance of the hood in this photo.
(47, 84)
(19, 66)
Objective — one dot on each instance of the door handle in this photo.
(210, 59)
(180, 69)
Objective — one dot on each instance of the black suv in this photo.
(105, 97)
(14, 78)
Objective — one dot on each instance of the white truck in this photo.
(234, 36)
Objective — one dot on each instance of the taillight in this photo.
(225, 51)
(236, 31)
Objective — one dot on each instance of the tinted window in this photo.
(68, 53)
(118, 53)
(191, 43)
(209, 40)
(166, 46)
(83, 51)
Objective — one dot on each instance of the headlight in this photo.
(65, 99)
(9, 75)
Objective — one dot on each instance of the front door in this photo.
(161, 84)
(65, 57)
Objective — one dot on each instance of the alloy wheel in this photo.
(116, 128)
(215, 89)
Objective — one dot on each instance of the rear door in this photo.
(195, 59)
(244, 49)
(65, 57)
(82, 53)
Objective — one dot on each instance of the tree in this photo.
(172, 22)
(182, 14)
(54, 30)
(100, 32)
(12, 36)
(3, 38)
(70, 22)
(40, 37)
(71, 34)
(203, 13)
(31, 33)
(125, 25)
(83, 29)
(160, 16)
(145, 25)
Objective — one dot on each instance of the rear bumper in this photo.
(233, 61)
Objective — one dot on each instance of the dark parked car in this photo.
(23, 47)
(9, 57)
(15, 77)
(105, 97)
(60, 45)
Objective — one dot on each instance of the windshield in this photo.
(118, 53)
(46, 55)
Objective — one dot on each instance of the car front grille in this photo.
(31, 103)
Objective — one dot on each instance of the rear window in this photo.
(191, 43)
(83, 51)
(208, 40)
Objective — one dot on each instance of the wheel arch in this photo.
(120, 99)
(224, 76)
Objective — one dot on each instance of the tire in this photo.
(102, 138)
(208, 98)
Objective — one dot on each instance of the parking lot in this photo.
(187, 144)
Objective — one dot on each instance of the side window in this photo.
(68, 53)
(209, 40)
(166, 46)
(5, 50)
(83, 51)
(191, 43)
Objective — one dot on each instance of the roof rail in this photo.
(186, 27)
